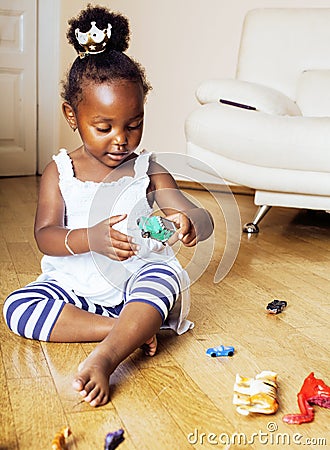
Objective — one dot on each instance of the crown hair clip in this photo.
(94, 40)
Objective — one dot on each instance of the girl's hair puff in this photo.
(106, 67)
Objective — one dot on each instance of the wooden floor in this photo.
(182, 399)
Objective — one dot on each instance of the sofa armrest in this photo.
(248, 95)
(253, 137)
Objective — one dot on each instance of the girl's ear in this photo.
(70, 116)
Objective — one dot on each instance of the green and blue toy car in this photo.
(156, 227)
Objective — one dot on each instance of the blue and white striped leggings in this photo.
(33, 310)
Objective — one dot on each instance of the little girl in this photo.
(101, 281)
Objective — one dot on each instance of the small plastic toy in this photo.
(156, 227)
(221, 350)
(58, 443)
(112, 440)
(276, 306)
(256, 395)
(313, 392)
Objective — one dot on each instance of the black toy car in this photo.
(276, 306)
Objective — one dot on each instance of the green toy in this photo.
(156, 227)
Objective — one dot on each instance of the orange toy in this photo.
(58, 443)
(313, 392)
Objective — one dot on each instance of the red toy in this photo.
(313, 392)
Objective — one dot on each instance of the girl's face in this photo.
(110, 120)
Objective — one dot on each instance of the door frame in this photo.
(48, 69)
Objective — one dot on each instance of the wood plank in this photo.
(22, 358)
(37, 411)
(4, 253)
(8, 280)
(194, 411)
(148, 421)
(8, 438)
(89, 428)
(24, 258)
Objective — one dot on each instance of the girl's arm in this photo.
(50, 232)
(194, 223)
(49, 228)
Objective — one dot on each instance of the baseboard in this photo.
(235, 188)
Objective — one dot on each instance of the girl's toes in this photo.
(92, 394)
(150, 347)
(96, 398)
(96, 402)
(89, 391)
(83, 386)
(102, 399)
(78, 384)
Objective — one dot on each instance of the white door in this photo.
(18, 87)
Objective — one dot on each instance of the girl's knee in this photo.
(156, 284)
(9, 313)
(13, 311)
(30, 316)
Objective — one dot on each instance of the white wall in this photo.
(180, 43)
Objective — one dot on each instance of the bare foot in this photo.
(150, 347)
(93, 378)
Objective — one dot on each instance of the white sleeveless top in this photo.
(97, 277)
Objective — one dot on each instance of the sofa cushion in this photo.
(247, 94)
(313, 93)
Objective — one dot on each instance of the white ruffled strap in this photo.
(142, 164)
(64, 165)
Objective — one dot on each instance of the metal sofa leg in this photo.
(252, 227)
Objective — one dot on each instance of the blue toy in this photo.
(221, 350)
(112, 440)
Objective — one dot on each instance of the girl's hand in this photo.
(109, 242)
(185, 230)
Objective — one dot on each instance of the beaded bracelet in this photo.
(66, 243)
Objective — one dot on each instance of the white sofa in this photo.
(280, 146)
